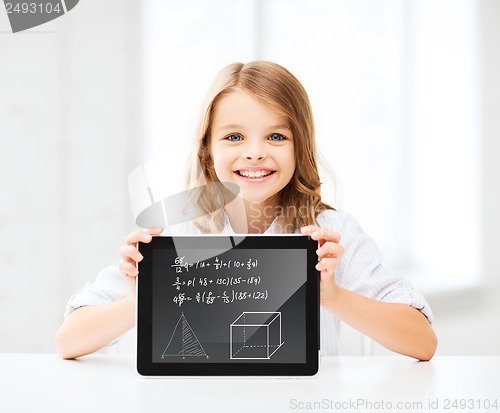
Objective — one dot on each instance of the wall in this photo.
(490, 35)
(70, 129)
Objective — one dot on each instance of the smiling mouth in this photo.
(254, 174)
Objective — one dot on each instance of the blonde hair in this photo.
(275, 86)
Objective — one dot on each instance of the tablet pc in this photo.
(213, 305)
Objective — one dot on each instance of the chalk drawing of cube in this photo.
(255, 335)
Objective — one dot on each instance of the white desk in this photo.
(98, 383)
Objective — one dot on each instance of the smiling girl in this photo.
(257, 132)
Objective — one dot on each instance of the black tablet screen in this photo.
(242, 305)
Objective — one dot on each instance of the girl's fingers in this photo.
(130, 252)
(328, 265)
(330, 249)
(142, 236)
(322, 234)
(137, 236)
(128, 269)
(308, 229)
(325, 235)
(129, 260)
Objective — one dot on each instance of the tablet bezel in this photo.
(144, 316)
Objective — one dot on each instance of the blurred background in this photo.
(406, 100)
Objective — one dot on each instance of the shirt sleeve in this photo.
(360, 268)
(108, 287)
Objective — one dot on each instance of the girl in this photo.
(257, 132)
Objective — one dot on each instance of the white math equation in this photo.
(227, 297)
(206, 281)
(181, 264)
(200, 288)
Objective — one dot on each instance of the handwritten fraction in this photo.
(192, 284)
(181, 264)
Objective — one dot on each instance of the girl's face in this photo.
(252, 146)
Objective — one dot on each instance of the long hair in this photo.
(275, 86)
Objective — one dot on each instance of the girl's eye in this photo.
(276, 137)
(234, 137)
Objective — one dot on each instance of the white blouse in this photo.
(359, 270)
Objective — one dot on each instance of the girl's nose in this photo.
(254, 156)
(256, 152)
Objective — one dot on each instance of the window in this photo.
(394, 89)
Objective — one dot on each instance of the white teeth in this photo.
(254, 174)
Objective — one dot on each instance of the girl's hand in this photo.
(130, 255)
(329, 253)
